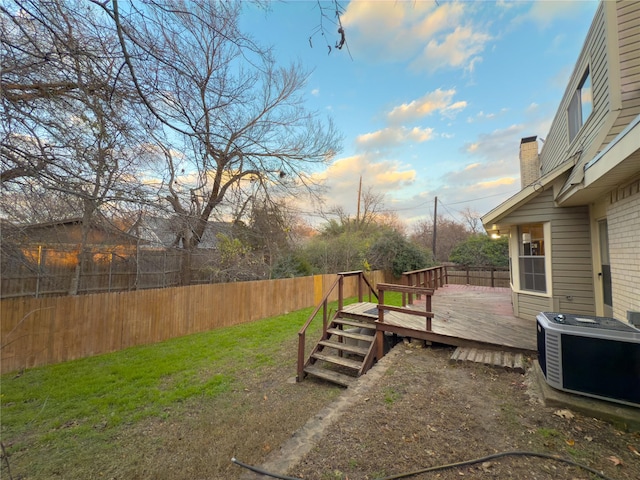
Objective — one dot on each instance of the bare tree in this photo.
(449, 234)
(231, 123)
(472, 219)
(95, 94)
(371, 212)
(69, 135)
(330, 13)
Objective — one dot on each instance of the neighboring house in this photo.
(69, 232)
(164, 231)
(59, 243)
(574, 228)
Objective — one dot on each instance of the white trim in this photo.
(514, 246)
(613, 143)
(597, 172)
(525, 195)
(532, 293)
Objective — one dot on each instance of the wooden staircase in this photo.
(344, 352)
(351, 342)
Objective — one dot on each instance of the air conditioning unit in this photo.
(594, 356)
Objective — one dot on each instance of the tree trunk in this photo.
(185, 267)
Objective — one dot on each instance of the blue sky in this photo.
(432, 98)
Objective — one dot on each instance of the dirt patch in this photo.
(425, 411)
(414, 409)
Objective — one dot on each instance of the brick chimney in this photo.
(529, 161)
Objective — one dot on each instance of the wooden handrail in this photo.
(404, 289)
(432, 277)
(466, 272)
(338, 282)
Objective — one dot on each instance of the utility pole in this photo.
(359, 196)
(435, 227)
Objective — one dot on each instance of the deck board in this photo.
(463, 315)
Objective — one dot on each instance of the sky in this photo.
(432, 98)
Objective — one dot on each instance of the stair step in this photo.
(518, 362)
(345, 362)
(354, 323)
(330, 375)
(347, 334)
(345, 347)
(509, 360)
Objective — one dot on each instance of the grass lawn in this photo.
(71, 410)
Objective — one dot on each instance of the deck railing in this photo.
(488, 276)
(408, 291)
(362, 283)
(431, 278)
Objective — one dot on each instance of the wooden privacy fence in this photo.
(484, 276)
(42, 331)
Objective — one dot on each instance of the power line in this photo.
(482, 198)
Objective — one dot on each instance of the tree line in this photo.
(113, 107)
(116, 110)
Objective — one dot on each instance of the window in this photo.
(581, 105)
(532, 258)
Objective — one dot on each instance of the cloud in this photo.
(398, 31)
(482, 116)
(436, 101)
(315, 92)
(379, 173)
(532, 107)
(495, 160)
(484, 173)
(498, 142)
(393, 136)
(544, 13)
(508, 181)
(459, 48)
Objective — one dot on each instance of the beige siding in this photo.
(529, 306)
(623, 218)
(557, 148)
(572, 274)
(629, 46)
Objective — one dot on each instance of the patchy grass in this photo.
(548, 432)
(390, 396)
(81, 409)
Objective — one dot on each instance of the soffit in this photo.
(618, 163)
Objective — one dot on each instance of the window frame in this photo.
(577, 112)
(517, 283)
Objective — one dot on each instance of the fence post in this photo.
(301, 345)
(467, 268)
(39, 270)
(110, 269)
(492, 277)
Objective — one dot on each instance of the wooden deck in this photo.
(464, 316)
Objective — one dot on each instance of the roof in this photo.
(67, 231)
(524, 195)
(617, 162)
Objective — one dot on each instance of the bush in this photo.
(482, 250)
(291, 265)
(394, 252)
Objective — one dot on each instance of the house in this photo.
(574, 227)
(69, 233)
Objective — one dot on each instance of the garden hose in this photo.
(444, 467)
(261, 471)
